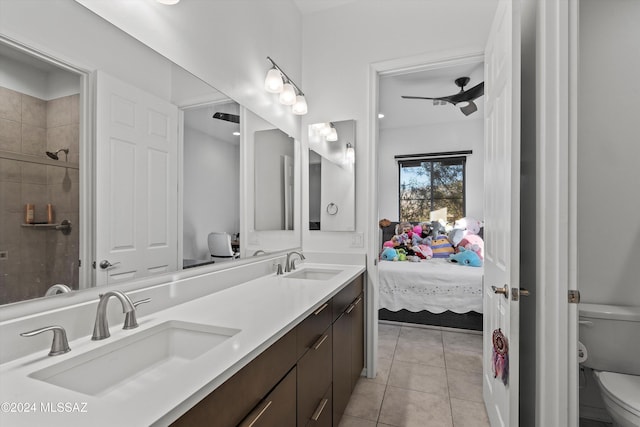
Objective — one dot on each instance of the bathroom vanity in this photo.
(284, 349)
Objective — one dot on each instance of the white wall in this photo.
(45, 85)
(211, 203)
(71, 33)
(454, 136)
(608, 152)
(225, 43)
(336, 61)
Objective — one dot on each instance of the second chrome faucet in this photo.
(101, 327)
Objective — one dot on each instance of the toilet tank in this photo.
(611, 335)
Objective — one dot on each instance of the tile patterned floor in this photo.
(426, 378)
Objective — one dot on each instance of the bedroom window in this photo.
(432, 188)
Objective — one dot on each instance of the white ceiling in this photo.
(399, 112)
(311, 6)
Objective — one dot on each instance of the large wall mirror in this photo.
(165, 197)
(332, 194)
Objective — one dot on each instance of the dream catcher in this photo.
(500, 356)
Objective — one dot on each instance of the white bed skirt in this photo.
(435, 285)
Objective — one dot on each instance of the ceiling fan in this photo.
(463, 99)
(234, 118)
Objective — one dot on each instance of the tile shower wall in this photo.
(33, 259)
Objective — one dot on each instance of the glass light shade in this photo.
(168, 1)
(325, 130)
(333, 135)
(350, 154)
(273, 83)
(288, 94)
(300, 107)
(462, 104)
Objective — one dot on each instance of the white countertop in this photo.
(264, 309)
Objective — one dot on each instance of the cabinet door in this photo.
(311, 328)
(278, 409)
(357, 340)
(230, 403)
(322, 416)
(346, 296)
(314, 376)
(341, 366)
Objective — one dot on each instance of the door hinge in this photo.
(574, 296)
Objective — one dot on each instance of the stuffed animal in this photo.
(456, 235)
(441, 247)
(402, 254)
(388, 244)
(389, 254)
(468, 258)
(471, 225)
(474, 243)
(423, 251)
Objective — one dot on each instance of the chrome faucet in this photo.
(101, 327)
(58, 288)
(290, 263)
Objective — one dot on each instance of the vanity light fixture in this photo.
(277, 81)
(333, 134)
(350, 154)
(236, 133)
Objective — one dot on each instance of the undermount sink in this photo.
(148, 356)
(313, 274)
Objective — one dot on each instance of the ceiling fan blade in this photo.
(416, 97)
(469, 108)
(234, 118)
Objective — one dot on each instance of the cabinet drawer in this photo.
(322, 415)
(346, 296)
(278, 409)
(310, 329)
(314, 376)
(231, 402)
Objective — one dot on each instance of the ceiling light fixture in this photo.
(277, 81)
(380, 116)
(170, 2)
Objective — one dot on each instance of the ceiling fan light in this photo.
(273, 82)
(288, 94)
(463, 104)
(300, 107)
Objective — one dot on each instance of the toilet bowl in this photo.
(611, 336)
(621, 395)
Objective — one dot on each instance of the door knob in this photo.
(504, 290)
(104, 264)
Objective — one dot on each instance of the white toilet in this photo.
(611, 336)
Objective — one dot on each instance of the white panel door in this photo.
(136, 182)
(502, 212)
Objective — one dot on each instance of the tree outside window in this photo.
(430, 185)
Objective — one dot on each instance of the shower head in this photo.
(54, 156)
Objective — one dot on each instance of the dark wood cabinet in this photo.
(314, 376)
(322, 416)
(278, 409)
(348, 347)
(303, 379)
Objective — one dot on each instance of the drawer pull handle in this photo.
(318, 311)
(319, 409)
(320, 341)
(350, 308)
(252, 422)
(358, 301)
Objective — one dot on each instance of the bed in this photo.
(431, 292)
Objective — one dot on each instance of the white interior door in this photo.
(136, 182)
(502, 211)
